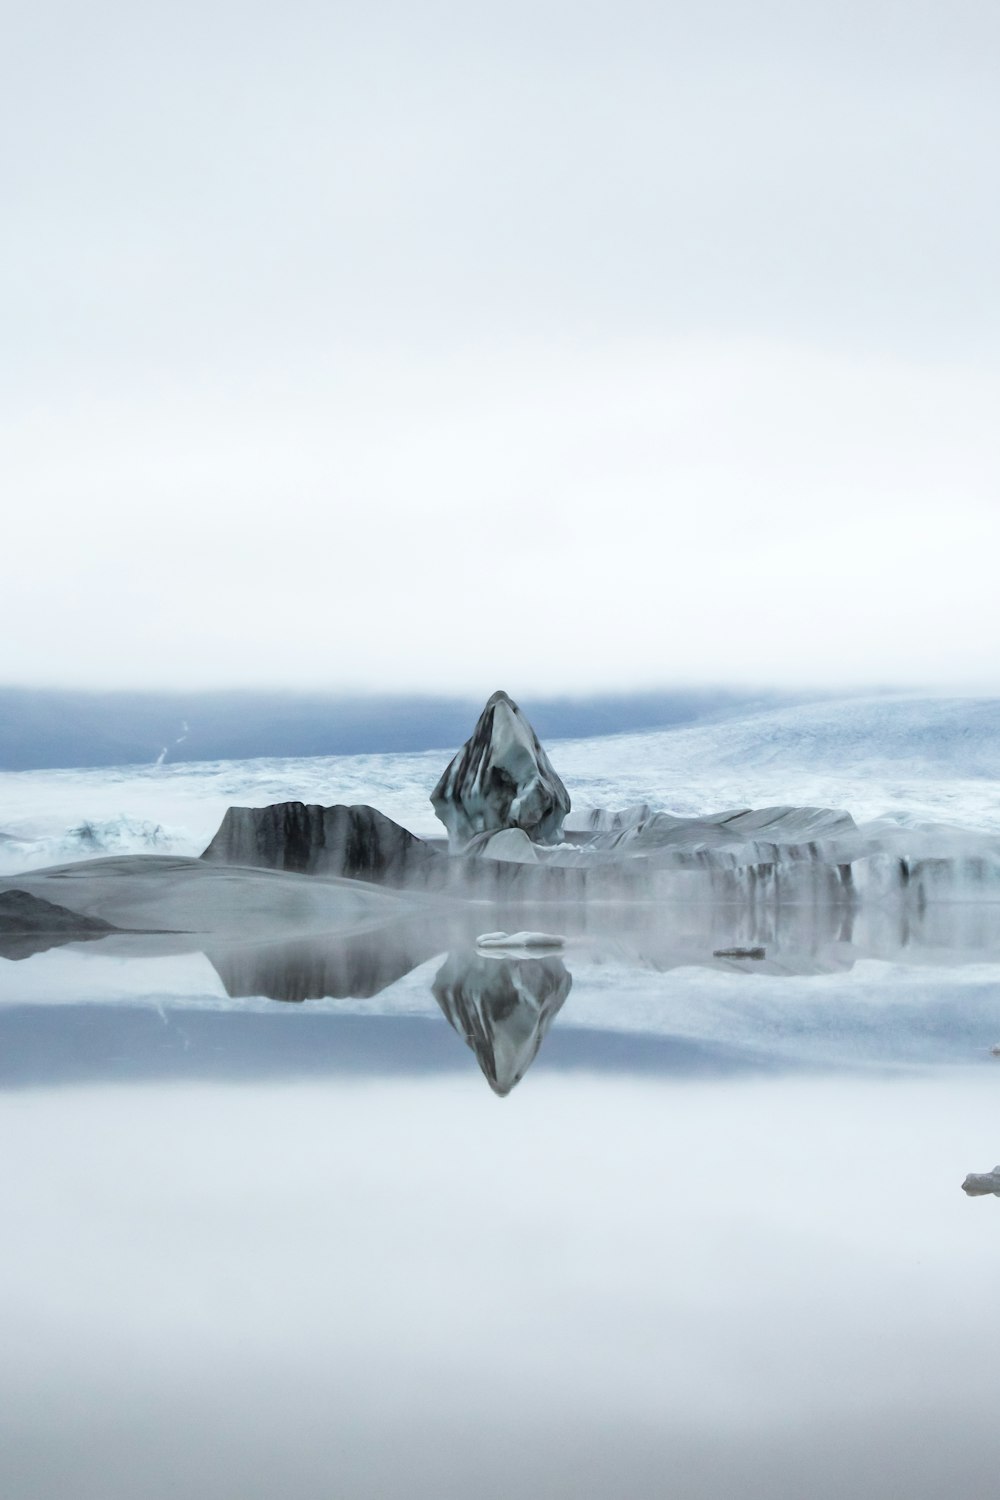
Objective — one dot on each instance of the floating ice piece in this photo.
(521, 940)
(501, 778)
(978, 1184)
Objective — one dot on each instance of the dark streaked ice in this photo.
(500, 780)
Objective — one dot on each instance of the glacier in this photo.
(909, 761)
(918, 779)
(504, 806)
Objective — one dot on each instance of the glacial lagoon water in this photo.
(394, 1217)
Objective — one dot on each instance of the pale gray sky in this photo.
(551, 345)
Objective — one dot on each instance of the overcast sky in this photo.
(544, 345)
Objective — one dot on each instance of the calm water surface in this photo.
(590, 1224)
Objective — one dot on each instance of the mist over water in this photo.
(411, 1288)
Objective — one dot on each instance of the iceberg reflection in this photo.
(356, 967)
(502, 1008)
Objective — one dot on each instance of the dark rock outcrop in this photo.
(30, 925)
(358, 843)
(501, 778)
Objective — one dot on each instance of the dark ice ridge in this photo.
(358, 842)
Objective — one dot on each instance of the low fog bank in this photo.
(51, 728)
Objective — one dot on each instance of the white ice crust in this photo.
(520, 940)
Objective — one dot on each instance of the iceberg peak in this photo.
(501, 778)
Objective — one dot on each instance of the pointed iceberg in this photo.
(501, 778)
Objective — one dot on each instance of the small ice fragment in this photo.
(520, 940)
(977, 1184)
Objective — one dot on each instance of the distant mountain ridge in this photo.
(52, 729)
(899, 734)
(917, 761)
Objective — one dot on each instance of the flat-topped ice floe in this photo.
(520, 940)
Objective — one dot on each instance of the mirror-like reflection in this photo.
(280, 1211)
(502, 1008)
(357, 967)
(30, 925)
(814, 937)
(650, 995)
(635, 1011)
